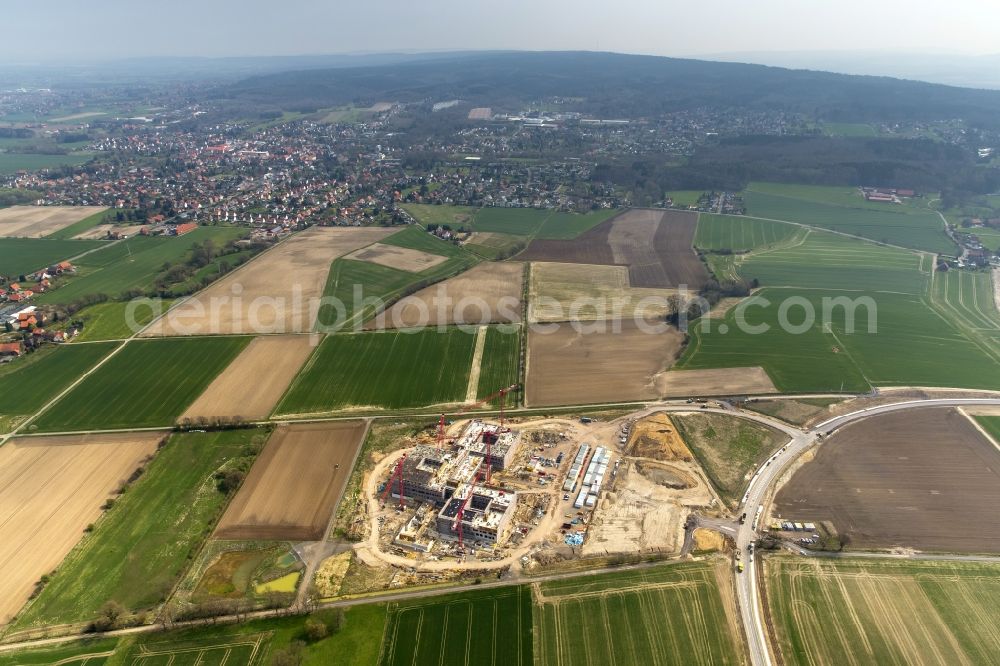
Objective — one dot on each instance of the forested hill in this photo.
(616, 85)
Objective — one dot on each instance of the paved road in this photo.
(758, 493)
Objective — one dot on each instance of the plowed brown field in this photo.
(656, 245)
(51, 488)
(295, 484)
(924, 479)
(253, 383)
(567, 367)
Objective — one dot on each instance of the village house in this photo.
(11, 349)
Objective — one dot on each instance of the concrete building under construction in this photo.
(485, 517)
(444, 477)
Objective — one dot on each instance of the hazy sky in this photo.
(102, 29)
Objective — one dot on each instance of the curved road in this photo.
(757, 497)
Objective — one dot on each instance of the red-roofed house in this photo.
(11, 349)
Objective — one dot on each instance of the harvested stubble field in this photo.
(20, 256)
(148, 383)
(675, 614)
(51, 488)
(101, 231)
(255, 381)
(723, 381)
(591, 363)
(391, 370)
(924, 479)
(40, 221)
(295, 484)
(403, 258)
(655, 245)
(884, 612)
(275, 293)
(488, 627)
(487, 293)
(586, 292)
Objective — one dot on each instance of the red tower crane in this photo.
(457, 525)
(502, 394)
(397, 473)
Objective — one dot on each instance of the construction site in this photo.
(497, 494)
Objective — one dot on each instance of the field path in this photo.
(472, 390)
(996, 286)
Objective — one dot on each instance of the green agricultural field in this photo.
(453, 216)
(28, 383)
(944, 332)
(990, 238)
(83, 225)
(849, 129)
(840, 195)
(482, 627)
(884, 612)
(109, 320)
(912, 345)
(537, 223)
(991, 424)
(132, 264)
(905, 226)
(821, 260)
(728, 448)
(130, 558)
(500, 364)
(966, 300)
(251, 643)
(92, 652)
(148, 383)
(685, 197)
(531, 222)
(673, 614)
(514, 221)
(382, 285)
(494, 246)
(20, 256)
(742, 234)
(391, 370)
(14, 162)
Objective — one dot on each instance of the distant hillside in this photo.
(615, 85)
